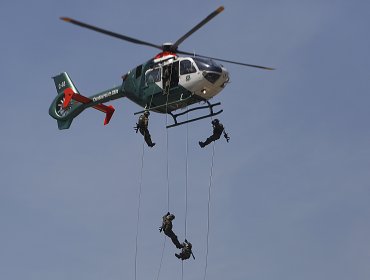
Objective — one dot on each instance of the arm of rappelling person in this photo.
(226, 136)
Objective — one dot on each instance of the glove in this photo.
(136, 128)
(226, 137)
(160, 229)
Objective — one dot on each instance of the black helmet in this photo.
(146, 113)
(171, 217)
(215, 121)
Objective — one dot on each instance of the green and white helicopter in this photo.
(164, 84)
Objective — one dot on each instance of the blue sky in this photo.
(290, 193)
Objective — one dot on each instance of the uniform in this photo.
(218, 129)
(167, 229)
(142, 126)
(186, 251)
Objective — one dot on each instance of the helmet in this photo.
(146, 113)
(171, 217)
(215, 121)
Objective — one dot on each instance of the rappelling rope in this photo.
(138, 208)
(182, 270)
(164, 238)
(209, 207)
(167, 154)
(167, 171)
(186, 185)
(161, 261)
(186, 172)
(140, 191)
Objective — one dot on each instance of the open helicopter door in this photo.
(170, 76)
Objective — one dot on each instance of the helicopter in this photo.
(164, 84)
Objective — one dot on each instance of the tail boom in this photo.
(69, 94)
(69, 103)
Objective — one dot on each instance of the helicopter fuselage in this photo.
(167, 83)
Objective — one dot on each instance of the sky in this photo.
(289, 193)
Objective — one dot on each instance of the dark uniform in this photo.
(167, 229)
(166, 80)
(186, 251)
(218, 129)
(142, 126)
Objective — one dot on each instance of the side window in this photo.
(138, 71)
(187, 67)
(153, 76)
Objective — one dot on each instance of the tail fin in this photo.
(64, 116)
(63, 81)
(69, 103)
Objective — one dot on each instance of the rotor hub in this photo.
(168, 47)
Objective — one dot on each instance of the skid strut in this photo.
(211, 114)
(174, 116)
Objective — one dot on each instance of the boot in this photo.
(201, 144)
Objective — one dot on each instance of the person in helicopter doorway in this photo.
(186, 251)
(167, 229)
(142, 126)
(218, 129)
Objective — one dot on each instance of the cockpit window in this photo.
(138, 71)
(206, 64)
(153, 76)
(187, 67)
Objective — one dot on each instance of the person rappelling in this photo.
(186, 251)
(142, 126)
(218, 129)
(167, 229)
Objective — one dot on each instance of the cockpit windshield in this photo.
(207, 64)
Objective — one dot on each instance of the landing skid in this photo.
(174, 116)
(211, 114)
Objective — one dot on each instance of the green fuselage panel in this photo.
(151, 95)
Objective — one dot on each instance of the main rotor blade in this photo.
(228, 61)
(199, 25)
(110, 33)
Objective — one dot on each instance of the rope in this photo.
(138, 208)
(167, 172)
(140, 191)
(186, 187)
(182, 270)
(186, 172)
(209, 207)
(140, 188)
(167, 175)
(161, 261)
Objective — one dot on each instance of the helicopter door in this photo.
(170, 77)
